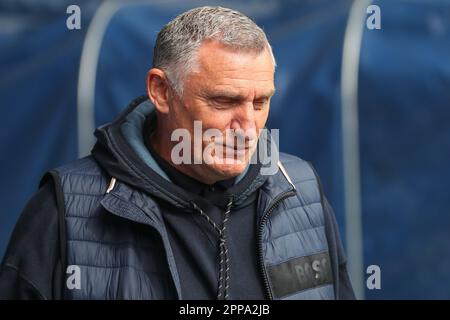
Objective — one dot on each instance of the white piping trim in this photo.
(112, 184)
(286, 175)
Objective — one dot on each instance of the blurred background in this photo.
(370, 108)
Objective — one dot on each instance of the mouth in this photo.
(237, 151)
(236, 154)
(234, 150)
(235, 147)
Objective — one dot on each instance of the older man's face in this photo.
(230, 90)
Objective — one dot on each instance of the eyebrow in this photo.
(236, 96)
(268, 95)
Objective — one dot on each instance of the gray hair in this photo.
(177, 43)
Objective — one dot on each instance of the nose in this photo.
(244, 118)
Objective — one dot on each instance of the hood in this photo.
(120, 150)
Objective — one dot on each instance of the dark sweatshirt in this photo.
(195, 241)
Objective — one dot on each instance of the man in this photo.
(143, 218)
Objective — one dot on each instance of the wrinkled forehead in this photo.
(215, 56)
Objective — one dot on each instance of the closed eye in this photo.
(260, 104)
(223, 101)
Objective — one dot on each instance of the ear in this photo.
(158, 90)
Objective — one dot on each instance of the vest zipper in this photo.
(266, 214)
